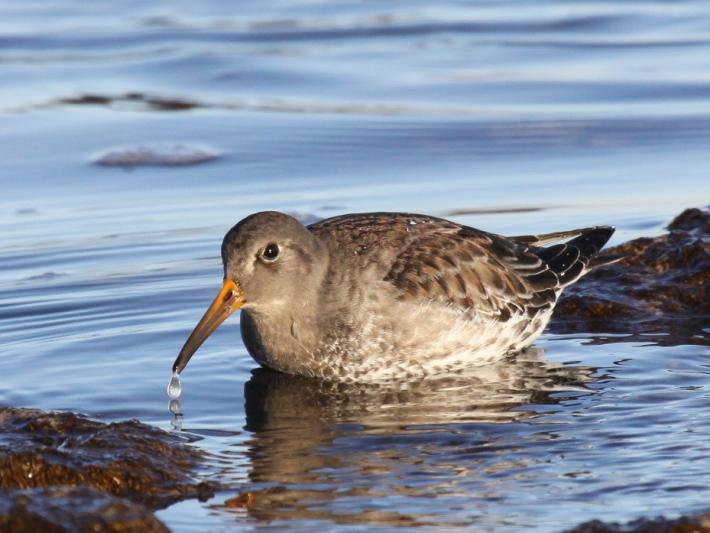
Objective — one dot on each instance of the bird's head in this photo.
(269, 259)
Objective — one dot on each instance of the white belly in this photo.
(420, 340)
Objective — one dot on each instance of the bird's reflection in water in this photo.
(340, 452)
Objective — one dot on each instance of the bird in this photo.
(370, 297)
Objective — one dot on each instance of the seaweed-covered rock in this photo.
(699, 523)
(126, 459)
(661, 286)
(82, 509)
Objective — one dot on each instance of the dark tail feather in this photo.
(593, 240)
(544, 238)
(548, 238)
(573, 259)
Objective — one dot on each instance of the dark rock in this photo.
(661, 286)
(126, 459)
(693, 219)
(156, 154)
(87, 99)
(699, 523)
(64, 509)
(133, 100)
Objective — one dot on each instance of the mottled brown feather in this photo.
(431, 259)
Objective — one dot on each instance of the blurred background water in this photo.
(511, 116)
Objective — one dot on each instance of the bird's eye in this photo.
(271, 252)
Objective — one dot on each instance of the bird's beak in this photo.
(229, 299)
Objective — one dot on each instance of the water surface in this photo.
(553, 114)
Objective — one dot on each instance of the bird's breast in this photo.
(277, 341)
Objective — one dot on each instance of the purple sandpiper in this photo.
(380, 296)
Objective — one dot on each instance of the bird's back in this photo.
(432, 258)
(431, 289)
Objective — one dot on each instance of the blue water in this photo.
(588, 112)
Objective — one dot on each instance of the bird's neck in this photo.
(283, 337)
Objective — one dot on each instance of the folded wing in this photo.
(493, 276)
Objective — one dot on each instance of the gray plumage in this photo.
(368, 297)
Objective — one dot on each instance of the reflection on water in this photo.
(515, 446)
(308, 437)
(489, 394)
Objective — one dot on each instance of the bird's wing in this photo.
(474, 271)
(432, 259)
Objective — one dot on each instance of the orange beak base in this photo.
(229, 299)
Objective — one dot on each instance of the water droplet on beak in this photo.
(174, 386)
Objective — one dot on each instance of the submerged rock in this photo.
(126, 459)
(660, 286)
(73, 509)
(699, 523)
(156, 154)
